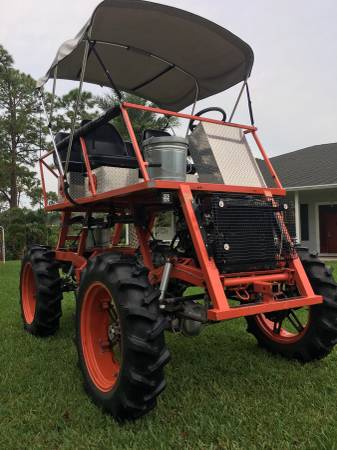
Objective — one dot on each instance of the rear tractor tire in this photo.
(120, 337)
(40, 292)
(313, 331)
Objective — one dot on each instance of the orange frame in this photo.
(207, 275)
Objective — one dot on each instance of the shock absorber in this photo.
(165, 279)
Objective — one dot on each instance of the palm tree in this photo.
(141, 120)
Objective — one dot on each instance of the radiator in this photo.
(246, 233)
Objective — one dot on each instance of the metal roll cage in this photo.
(90, 49)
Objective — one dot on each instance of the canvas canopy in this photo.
(155, 51)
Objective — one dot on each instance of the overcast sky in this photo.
(294, 80)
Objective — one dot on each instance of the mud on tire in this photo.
(125, 378)
(320, 335)
(40, 292)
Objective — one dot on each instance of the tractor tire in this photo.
(319, 335)
(40, 292)
(120, 337)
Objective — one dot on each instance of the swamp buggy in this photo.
(234, 236)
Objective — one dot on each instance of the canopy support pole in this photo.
(250, 107)
(196, 98)
(237, 101)
(73, 124)
(106, 71)
(197, 91)
(59, 163)
(53, 97)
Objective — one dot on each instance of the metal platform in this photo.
(147, 192)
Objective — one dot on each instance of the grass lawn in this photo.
(223, 393)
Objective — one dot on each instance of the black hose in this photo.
(67, 195)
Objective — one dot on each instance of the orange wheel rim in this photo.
(288, 330)
(100, 336)
(28, 293)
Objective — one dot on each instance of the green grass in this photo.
(333, 267)
(223, 393)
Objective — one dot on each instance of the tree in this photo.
(25, 227)
(20, 131)
(36, 197)
(26, 181)
(64, 108)
(141, 120)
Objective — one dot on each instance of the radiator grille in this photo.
(245, 233)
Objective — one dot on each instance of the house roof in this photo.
(311, 166)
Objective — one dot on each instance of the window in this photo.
(304, 213)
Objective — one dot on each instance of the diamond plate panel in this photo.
(109, 178)
(222, 155)
(76, 184)
(192, 178)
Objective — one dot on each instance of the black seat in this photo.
(154, 133)
(105, 147)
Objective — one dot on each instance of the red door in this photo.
(328, 228)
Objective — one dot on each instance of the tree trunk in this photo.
(13, 175)
(13, 181)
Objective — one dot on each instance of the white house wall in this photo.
(313, 198)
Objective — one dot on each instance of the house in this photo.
(310, 177)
